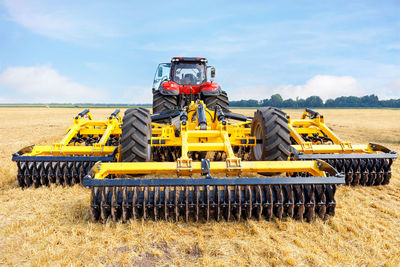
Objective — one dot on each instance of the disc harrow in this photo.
(179, 143)
(363, 171)
(67, 171)
(366, 165)
(217, 198)
(67, 162)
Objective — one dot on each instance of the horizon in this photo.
(83, 104)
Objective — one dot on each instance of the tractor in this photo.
(183, 80)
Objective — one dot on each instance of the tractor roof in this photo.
(189, 59)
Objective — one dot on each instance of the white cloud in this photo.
(396, 85)
(56, 21)
(43, 84)
(222, 46)
(325, 86)
(137, 95)
(393, 90)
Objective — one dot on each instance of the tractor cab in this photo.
(189, 72)
(186, 75)
(184, 80)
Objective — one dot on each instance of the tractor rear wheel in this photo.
(270, 127)
(136, 131)
(221, 100)
(163, 102)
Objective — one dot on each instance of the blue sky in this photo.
(107, 51)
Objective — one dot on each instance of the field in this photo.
(51, 226)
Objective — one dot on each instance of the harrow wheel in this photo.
(365, 171)
(361, 171)
(136, 130)
(204, 203)
(270, 127)
(44, 173)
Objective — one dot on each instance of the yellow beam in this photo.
(327, 149)
(110, 128)
(202, 133)
(101, 170)
(307, 130)
(97, 131)
(206, 146)
(71, 133)
(70, 150)
(295, 135)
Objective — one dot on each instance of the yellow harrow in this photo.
(197, 141)
(67, 162)
(361, 164)
(89, 141)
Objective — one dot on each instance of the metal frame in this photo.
(83, 126)
(214, 181)
(312, 124)
(200, 129)
(307, 194)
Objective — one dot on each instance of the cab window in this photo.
(162, 74)
(189, 73)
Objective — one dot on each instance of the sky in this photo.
(108, 51)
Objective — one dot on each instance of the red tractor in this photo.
(184, 80)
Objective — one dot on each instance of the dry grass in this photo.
(51, 226)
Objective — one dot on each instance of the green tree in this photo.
(276, 100)
(314, 101)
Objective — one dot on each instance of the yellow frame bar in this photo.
(317, 125)
(71, 150)
(83, 126)
(329, 149)
(101, 170)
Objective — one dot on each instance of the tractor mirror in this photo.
(213, 72)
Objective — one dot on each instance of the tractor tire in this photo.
(129, 110)
(221, 100)
(271, 126)
(136, 131)
(163, 102)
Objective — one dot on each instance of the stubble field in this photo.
(51, 225)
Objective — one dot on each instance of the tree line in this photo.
(276, 100)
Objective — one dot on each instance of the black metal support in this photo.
(314, 114)
(235, 116)
(301, 156)
(205, 168)
(83, 113)
(16, 157)
(201, 116)
(165, 115)
(220, 115)
(89, 181)
(114, 114)
(19, 157)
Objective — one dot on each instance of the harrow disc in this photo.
(61, 170)
(203, 202)
(365, 170)
(44, 173)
